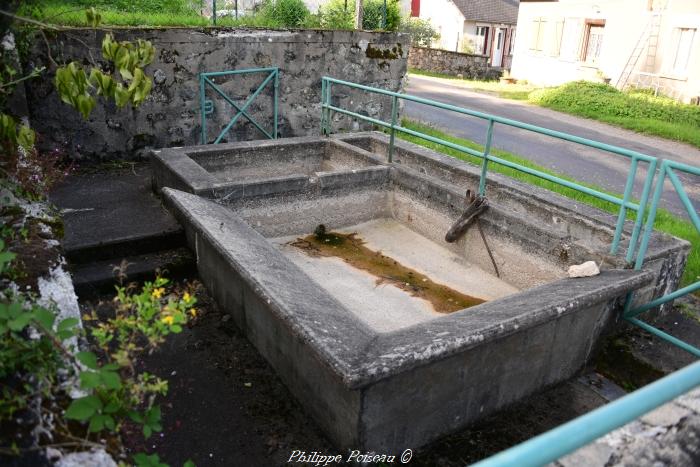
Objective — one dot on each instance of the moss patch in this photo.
(351, 249)
(617, 363)
(386, 54)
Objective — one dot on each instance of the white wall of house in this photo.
(447, 19)
(588, 39)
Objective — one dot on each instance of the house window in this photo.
(571, 39)
(481, 44)
(682, 44)
(537, 37)
(593, 42)
(511, 44)
(558, 31)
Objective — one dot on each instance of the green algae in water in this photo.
(351, 249)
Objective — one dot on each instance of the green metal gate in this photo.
(207, 106)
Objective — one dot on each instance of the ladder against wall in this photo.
(648, 41)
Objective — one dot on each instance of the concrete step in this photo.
(101, 276)
(112, 211)
(133, 245)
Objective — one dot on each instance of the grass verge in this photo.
(515, 91)
(65, 13)
(637, 110)
(665, 220)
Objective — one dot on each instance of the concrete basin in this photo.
(374, 362)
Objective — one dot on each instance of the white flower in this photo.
(8, 42)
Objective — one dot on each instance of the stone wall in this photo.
(450, 63)
(171, 115)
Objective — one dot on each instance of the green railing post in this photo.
(214, 11)
(652, 216)
(394, 117)
(324, 110)
(202, 97)
(276, 95)
(623, 209)
(485, 161)
(327, 129)
(651, 172)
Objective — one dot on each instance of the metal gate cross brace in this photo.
(207, 106)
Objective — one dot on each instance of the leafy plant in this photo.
(421, 30)
(141, 323)
(35, 350)
(13, 135)
(76, 88)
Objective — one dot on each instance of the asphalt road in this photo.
(581, 162)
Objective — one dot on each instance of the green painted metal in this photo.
(485, 162)
(665, 336)
(394, 118)
(666, 170)
(566, 438)
(635, 157)
(206, 106)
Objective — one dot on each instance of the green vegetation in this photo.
(665, 221)
(636, 110)
(285, 13)
(515, 91)
(270, 14)
(421, 30)
(339, 14)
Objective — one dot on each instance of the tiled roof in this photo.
(492, 11)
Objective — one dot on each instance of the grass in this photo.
(635, 110)
(67, 13)
(665, 220)
(515, 91)
(139, 14)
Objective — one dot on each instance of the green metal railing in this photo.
(625, 203)
(564, 439)
(666, 170)
(207, 106)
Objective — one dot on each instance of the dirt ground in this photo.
(227, 407)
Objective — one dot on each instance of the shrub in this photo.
(421, 30)
(374, 12)
(285, 13)
(335, 15)
(596, 99)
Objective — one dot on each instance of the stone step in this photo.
(120, 247)
(101, 276)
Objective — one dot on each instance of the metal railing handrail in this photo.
(624, 203)
(506, 121)
(666, 169)
(566, 438)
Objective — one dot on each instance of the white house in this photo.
(485, 27)
(645, 43)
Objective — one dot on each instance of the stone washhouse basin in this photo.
(368, 320)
